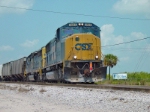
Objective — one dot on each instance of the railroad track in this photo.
(53, 84)
(102, 86)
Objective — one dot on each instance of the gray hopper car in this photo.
(14, 70)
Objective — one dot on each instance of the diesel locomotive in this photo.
(73, 55)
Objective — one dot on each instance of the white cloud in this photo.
(107, 33)
(124, 59)
(6, 48)
(108, 28)
(125, 52)
(132, 7)
(148, 48)
(138, 35)
(30, 43)
(15, 3)
(108, 37)
(128, 54)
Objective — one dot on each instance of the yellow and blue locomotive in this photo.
(73, 55)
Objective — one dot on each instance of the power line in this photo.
(78, 14)
(128, 48)
(146, 57)
(139, 61)
(126, 42)
(125, 49)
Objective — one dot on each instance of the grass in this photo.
(138, 78)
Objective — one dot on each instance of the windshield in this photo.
(67, 31)
(91, 30)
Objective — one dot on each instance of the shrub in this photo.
(134, 78)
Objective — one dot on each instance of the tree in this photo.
(110, 60)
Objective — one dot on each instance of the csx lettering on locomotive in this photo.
(83, 46)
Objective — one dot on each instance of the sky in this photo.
(24, 31)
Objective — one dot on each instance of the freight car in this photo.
(73, 55)
(14, 70)
(6, 71)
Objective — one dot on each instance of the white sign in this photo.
(119, 76)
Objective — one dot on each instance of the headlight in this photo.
(75, 57)
(80, 24)
(96, 57)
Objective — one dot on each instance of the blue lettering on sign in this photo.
(83, 46)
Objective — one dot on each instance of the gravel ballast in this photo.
(38, 98)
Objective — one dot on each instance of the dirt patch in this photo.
(114, 99)
(42, 90)
(23, 89)
(32, 89)
(27, 85)
(7, 87)
(12, 88)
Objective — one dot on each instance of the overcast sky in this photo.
(24, 31)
